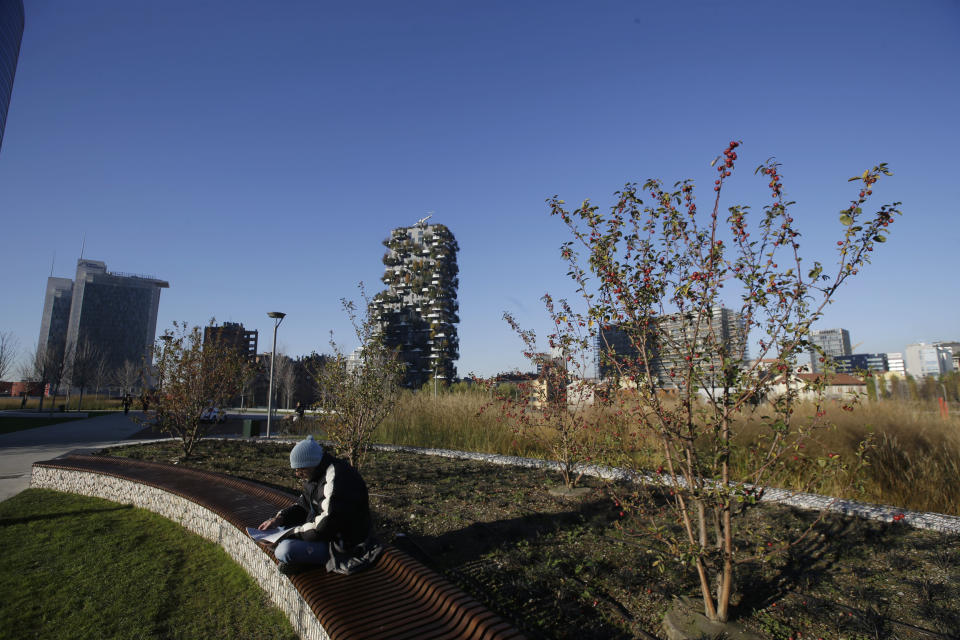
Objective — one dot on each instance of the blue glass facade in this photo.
(860, 362)
(11, 33)
(56, 317)
(115, 313)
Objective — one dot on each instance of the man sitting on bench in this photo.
(330, 523)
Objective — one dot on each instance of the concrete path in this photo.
(20, 449)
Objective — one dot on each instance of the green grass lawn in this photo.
(79, 567)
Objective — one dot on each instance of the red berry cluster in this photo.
(784, 232)
(725, 168)
(775, 185)
(884, 218)
(738, 225)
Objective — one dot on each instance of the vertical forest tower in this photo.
(417, 313)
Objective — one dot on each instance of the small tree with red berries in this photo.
(559, 412)
(657, 272)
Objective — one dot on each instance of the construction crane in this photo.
(422, 221)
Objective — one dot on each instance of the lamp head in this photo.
(276, 314)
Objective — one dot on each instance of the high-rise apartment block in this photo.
(721, 330)
(834, 342)
(234, 335)
(11, 34)
(417, 313)
(115, 313)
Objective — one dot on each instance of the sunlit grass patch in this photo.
(79, 567)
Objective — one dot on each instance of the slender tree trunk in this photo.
(717, 529)
(726, 576)
(708, 607)
(726, 581)
(702, 524)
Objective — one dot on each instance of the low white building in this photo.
(838, 386)
(895, 364)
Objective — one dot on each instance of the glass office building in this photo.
(56, 318)
(115, 313)
(857, 362)
(11, 33)
(833, 342)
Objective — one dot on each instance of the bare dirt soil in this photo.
(569, 568)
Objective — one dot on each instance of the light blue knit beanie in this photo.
(306, 453)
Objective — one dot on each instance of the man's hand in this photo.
(269, 524)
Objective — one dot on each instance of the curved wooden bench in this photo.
(398, 597)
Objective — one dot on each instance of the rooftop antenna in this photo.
(52, 260)
(83, 245)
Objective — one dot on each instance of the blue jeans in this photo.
(294, 551)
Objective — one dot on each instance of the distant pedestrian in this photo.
(23, 399)
(126, 403)
(299, 410)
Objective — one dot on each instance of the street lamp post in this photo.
(277, 319)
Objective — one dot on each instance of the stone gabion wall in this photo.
(810, 501)
(201, 521)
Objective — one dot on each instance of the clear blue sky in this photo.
(255, 154)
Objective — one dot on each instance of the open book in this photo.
(268, 535)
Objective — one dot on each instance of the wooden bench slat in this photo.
(399, 618)
(355, 614)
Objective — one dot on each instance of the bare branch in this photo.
(8, 352)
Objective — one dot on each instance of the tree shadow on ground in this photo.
(478, 539)
(841, 541)
(805, 565)
(471, 557)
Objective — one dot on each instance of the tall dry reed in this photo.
(913, 454)
(913, 463)
(462, 421)
(915, 460)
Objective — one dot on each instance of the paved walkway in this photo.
(20, 449)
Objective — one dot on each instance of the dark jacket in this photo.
(334, 507)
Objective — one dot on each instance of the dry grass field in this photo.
(914, 460)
